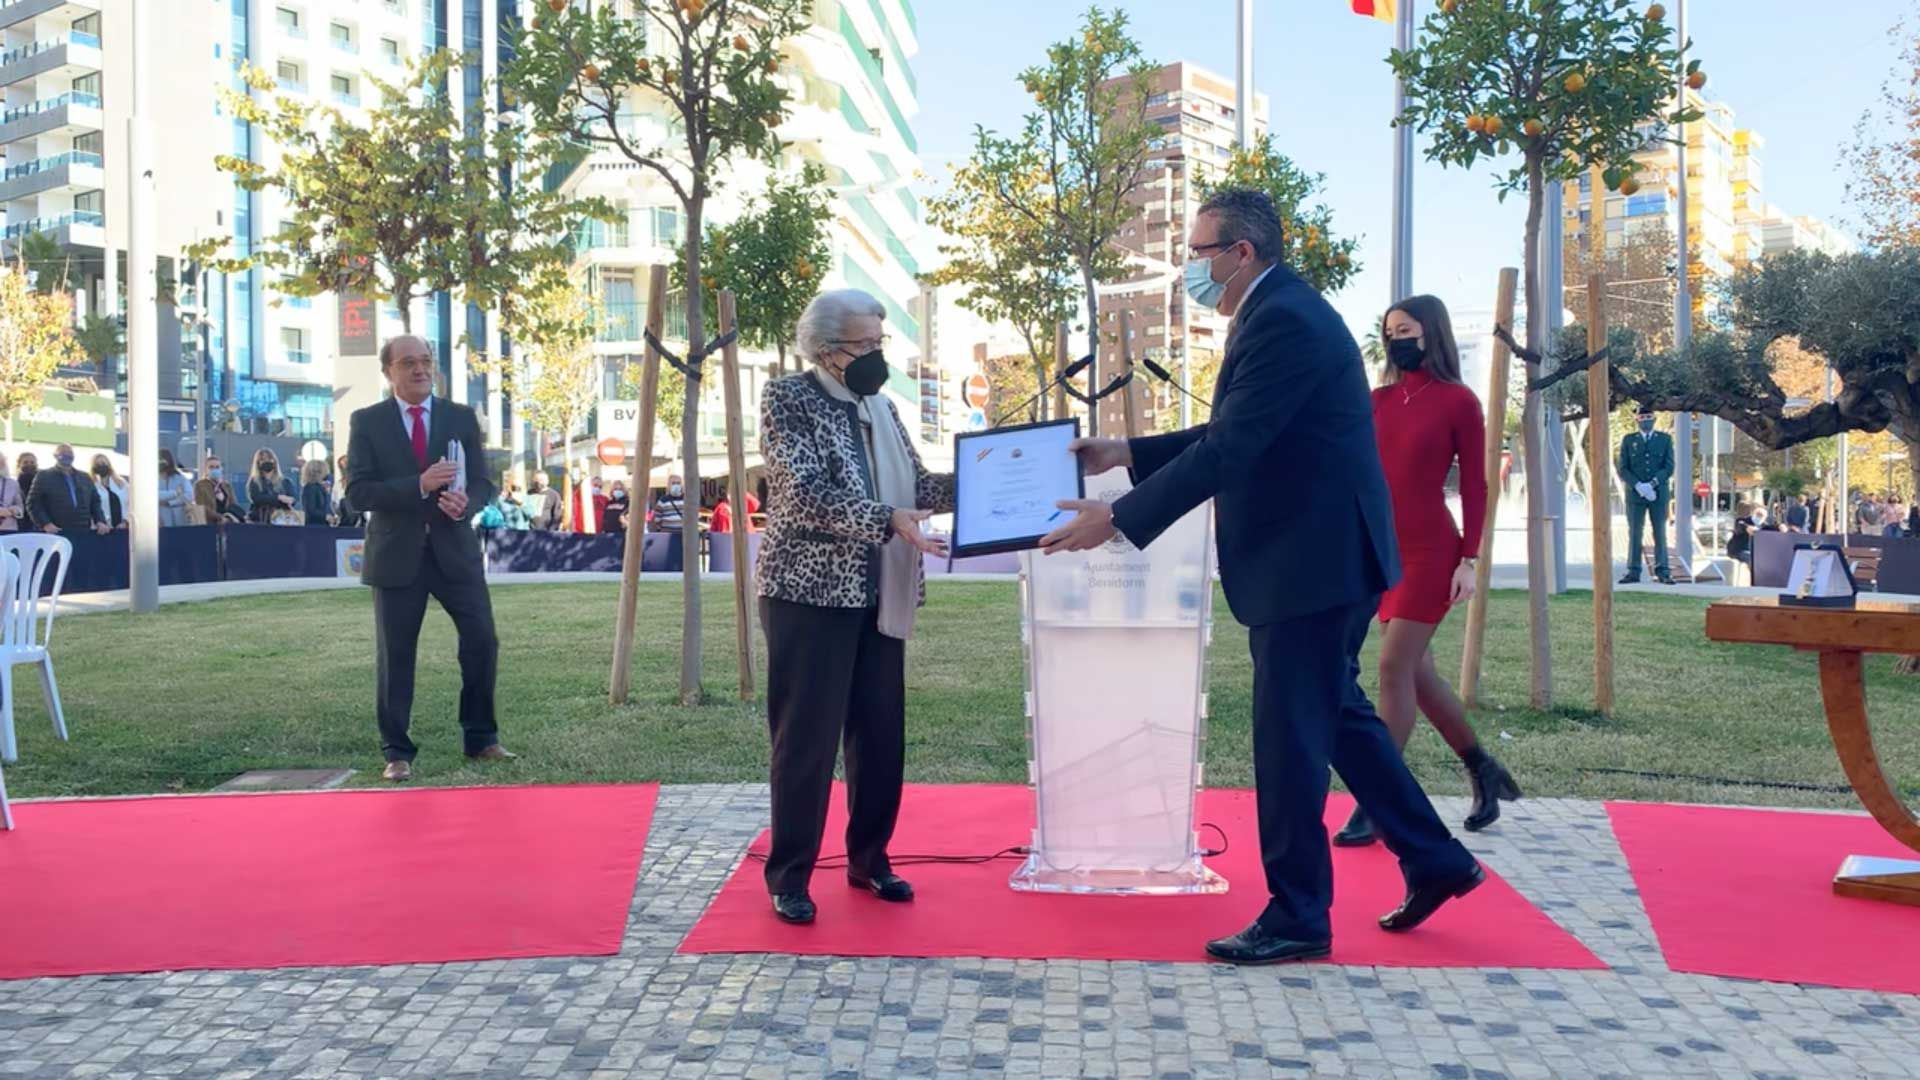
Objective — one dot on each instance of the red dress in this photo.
(1422, 425)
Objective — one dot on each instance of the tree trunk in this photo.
(403, 299)
(780, 358)
(1093, 341)
(1040, 386)
(1907, 665)
(1533, 438)
(690, 469)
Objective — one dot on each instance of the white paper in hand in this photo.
(458, 457)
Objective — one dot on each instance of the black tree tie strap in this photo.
(691, 366)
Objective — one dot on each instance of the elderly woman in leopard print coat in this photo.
(840, 579)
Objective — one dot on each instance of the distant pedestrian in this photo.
(176, 492)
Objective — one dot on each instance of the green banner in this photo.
(64, 417)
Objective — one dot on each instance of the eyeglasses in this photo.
(865, 345)
(1217, 245)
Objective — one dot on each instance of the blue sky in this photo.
(1799, 72)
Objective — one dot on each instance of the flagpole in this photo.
(1243, 76)
(1402, 165)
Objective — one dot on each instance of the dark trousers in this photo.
(1640, 514)
(1309, 713)
(831, 675)
(397, 614)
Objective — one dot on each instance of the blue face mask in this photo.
(1198, 278)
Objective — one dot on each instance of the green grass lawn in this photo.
(188, 698)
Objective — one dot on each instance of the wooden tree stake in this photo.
(1472, 651)
(621, 683)
(1061, 343)
(1129, 402)
(1598, 498)
(737, 496)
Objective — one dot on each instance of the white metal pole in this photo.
(1402, 265)
(1683, 331)
(1553, 290)
(1243, 76)
(143, 338)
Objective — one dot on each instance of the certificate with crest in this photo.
(1007, 484)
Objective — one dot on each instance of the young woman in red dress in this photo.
(1425, 420)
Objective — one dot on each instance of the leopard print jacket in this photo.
(824, 525)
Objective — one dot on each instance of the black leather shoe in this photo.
(793, 907)
(1630, 579)
(1665, 579)
(889, 887)
(1255, 945)
(1491, 783)
(1357, 832)
(1422, 902)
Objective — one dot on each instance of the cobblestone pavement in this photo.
(648, 1012)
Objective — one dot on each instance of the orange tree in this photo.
(707, 68)
(1548, 89)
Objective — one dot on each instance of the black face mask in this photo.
(867, 374)
(1406, 353)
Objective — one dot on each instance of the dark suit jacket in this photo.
(384, 480)
(50, 504)
(1303, 521)
(1649, 459)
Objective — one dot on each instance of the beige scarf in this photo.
(896, 483)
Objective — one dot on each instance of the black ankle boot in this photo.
(1491, 783)
(1357, 832)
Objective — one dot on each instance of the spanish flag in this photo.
(1379, 9)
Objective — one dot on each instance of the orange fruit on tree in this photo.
(1656, 12)
(740, 42)
(773, 66)
(592, 72)
(1575, 83)
(644, 65)
(1696, 79)
(1629, 185)
(558, 6)
(1533, 128)
(1476, 123)
(1494, 125)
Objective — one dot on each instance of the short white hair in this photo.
(826, 318)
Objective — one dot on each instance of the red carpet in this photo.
(1749, 894)
(970, 911)
(354, 877)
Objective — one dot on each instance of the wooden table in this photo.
(1841, 636)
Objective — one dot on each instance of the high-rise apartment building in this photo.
(273, 363)
(66, 70)
(278, 359)
(1196, 113)
(1728, 216)
(852, 96)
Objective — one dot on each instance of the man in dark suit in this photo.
(64, 499)
(1646, 468)
(1291, 412)
(421, 544)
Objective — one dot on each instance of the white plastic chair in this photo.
(23, 633)
(9, 573)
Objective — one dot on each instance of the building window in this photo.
(90, 202)
(343, 37)
(290, 76)
(87, 84)
(344, 90)
(390, 50)
(290, 22)
(398, 7)
(293, 342)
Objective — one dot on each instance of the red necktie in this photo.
(419, 433)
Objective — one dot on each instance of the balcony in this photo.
(69, 173)
(299, 356)
(68, 114)
(65, 56)
(15, 12)
(82, 228)
(622, 322)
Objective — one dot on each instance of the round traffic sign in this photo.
(974, 390)
(977, 420)
(611, 451)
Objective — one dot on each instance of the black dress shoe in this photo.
(1256, 945)
(1357, 832)
(889, 887)
(1630, 579)
(793, 907)
(1665, 579)
(1491, 782)
(1422, 902)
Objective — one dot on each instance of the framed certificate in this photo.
(1006, 483)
